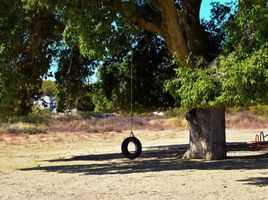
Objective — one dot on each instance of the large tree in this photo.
(98, 27)
(205, 81)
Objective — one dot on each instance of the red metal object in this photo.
(259, 141)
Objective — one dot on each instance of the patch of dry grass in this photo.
(246, 120)
(22, 127)
(77, 126)
(111, 124)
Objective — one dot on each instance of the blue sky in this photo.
(204, 13)
(206, 7)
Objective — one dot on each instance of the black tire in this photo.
(124, 148)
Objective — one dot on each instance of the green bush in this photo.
(85, 114)
(259, 109)
(236, 109)
(175, 112)
(40, 115)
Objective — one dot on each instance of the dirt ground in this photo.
(90, 166)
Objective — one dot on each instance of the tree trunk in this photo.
(207, 134)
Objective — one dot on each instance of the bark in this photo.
(191, 24)
(207, 134)
(174, 35)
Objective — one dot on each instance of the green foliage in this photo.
(248, 30)
(150, 67)
(81, 100)
(84, 99)
(72, 80)
(259, 109)
(240, 80)
(35, 116)
(32, 35)
(175, 112)
(240, 77)
(42, 114)
(49, 88)
(32, 4)
(15, 97)
(101, 102)
(97, 28)
(28, 34)
(245, 80)
(194, 87)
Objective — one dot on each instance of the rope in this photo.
(131, 96)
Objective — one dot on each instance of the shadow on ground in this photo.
(261, 181)
(155, 159)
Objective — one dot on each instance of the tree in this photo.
(71, 78)
(151, 66)
(30, 39)
(97, 27)
(28, 35)
(205, 82)
(237, 77)
(49, 88)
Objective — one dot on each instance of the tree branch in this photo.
(163, 20)
(174, 35)
(143, 18)
(155, 4)
(191, 24)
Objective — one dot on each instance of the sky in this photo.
(206, 7)
(204, 14)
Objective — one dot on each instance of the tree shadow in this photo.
(261, 181)
(157, 152)
(154, 159)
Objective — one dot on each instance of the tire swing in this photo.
(124, 147)
(131, 139)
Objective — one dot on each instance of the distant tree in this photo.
(72, 77)
(84, 100)
(27, 37)
(49, 88)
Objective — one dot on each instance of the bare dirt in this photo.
(90, 166)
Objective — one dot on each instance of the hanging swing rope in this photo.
(131, 139)
(131, 96)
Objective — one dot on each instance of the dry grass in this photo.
(65, 127)
(246, 120)
(111, 124)
(22, 127)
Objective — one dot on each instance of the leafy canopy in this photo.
(242, 75)
(29, 32)
(32, 32)
(151, 66)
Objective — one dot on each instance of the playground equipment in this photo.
(131, 139)
(260, 141)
